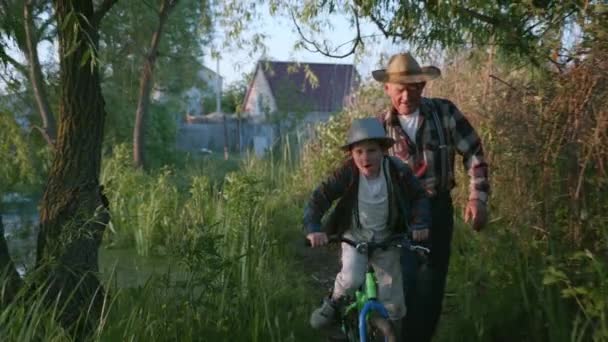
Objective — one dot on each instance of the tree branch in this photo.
(313, 46)
(105, 6)
(504, 82)
(45, 135)
(482, 17)
(35, 75)
(381, 27)
(20, 67)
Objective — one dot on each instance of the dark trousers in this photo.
(424, 282)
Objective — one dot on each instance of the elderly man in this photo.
(427, 133)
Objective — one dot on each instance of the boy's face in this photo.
(367, 155)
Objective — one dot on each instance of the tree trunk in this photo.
(145, 86)
(73, 212)
(48, 129)
(10, 282)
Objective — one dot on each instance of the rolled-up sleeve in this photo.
(468, 144)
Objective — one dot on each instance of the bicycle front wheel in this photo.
(380, 329)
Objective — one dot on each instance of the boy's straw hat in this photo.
(367, 129)
(403, 68)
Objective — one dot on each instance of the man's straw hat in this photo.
(403, 68)
(367, 129)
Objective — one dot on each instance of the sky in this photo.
(281, 38)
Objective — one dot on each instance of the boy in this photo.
(378, 196)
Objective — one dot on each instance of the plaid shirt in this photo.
(424, 155)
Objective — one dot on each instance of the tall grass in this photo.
(231, 240)
(231, 275)
(540, 266)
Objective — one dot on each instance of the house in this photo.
(291, 87)
(280, 96)
(307, 93)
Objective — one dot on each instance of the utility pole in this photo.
(218, 102)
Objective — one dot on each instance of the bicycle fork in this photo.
(371, 304)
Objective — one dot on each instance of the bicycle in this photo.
(363, 318)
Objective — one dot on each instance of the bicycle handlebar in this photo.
(398, 240)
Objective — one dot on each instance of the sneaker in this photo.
(324, 316)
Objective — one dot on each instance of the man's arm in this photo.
(324, 195)
(468, 144)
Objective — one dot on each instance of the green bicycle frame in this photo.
(370, 291)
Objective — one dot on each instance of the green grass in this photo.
(205, 251)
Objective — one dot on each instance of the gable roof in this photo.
(308, 86)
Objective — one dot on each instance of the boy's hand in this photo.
(420, 235)
(317, 239)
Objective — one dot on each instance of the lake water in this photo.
(123, 267)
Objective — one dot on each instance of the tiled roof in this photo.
(310, 86)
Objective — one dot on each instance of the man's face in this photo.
(405, 98)
(367, 155)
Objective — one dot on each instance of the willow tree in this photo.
(73, 212)
(533, 31)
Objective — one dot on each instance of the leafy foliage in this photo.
(541, 32)
(125, 36)
(231, 99)
(19, 167)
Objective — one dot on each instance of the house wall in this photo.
(260, 97)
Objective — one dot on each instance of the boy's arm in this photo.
(323, 196)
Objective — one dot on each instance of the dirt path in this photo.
(319, 264)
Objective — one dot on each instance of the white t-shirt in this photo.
(409, 123)
(373, 207)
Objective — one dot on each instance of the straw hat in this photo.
(403, 68)
(367, 129)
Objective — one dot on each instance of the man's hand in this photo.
(420, 235)
(317, 239)
(476, 213)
